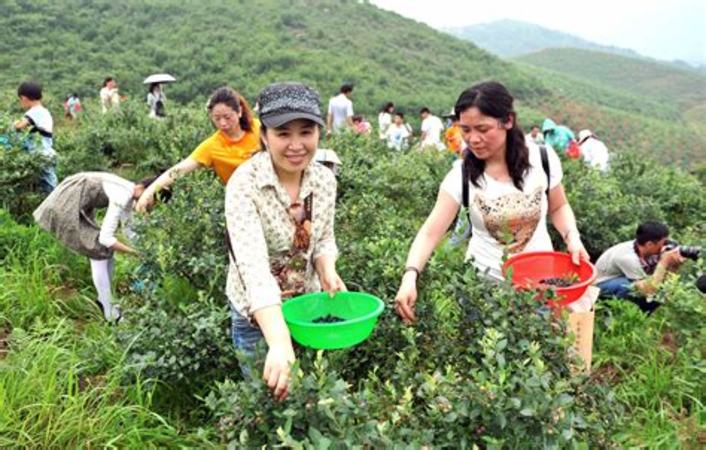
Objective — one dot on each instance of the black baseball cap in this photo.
(281, 103)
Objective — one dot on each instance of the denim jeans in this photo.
(48, 180)
(245, 338)
(622, 288)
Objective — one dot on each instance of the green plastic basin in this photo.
(358, 310)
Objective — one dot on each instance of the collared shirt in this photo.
(262, 232)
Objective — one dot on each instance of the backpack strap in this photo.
(465, 178)
(35, 129)
(545, 165)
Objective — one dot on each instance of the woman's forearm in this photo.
(324, 264)
(273, 326)
(124, 248)
(170, 176)
(565, 222)
(423, 246)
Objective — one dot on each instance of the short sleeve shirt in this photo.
(503, 217)
(341, 108)
(433, 128)
(262, 232)
(224, 154)
(620, 260)
(41, 121)
(109, 98)
(397, 136)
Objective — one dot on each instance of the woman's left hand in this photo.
(576, 249)
(331, 282)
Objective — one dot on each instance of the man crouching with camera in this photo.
(633, 270)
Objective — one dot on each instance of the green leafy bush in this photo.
(20, 172)
(493, 374)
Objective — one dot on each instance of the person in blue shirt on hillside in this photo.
(559, 137)
(38, 119)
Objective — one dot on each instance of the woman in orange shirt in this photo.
(453, 136)
(237, 138)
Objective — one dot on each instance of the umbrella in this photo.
(159, 78)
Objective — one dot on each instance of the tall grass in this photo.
(56, 391)
(62, 382)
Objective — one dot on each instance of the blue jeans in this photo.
(245, 338)
(622, 288)
(47, 179)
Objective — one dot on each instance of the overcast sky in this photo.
(663, 29)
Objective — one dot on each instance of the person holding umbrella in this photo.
(156, 96)
(236, 139)
(155, 101)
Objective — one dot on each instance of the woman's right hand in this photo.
(407, 297)
(278, 366)
(145, 202)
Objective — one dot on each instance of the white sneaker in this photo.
(113, 314)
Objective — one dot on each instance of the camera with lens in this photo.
(687, 251)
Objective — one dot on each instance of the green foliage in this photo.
(20, 171)
(131, 140)
(181, 281)
(186, 236)
(609, 207)
(495, 376)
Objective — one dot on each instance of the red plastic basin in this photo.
(528, 269)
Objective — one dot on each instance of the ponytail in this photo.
(236, 102)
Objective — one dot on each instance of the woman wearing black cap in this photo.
(279, 214)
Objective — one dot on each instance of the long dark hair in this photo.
(386, 107)
(494, 100)
(235, 101)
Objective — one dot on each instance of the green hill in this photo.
(74, 44)
(660, 82)
(71, 45)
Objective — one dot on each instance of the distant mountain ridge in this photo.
(646, 78)
(527, 38)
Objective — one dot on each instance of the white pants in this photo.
(102, 274)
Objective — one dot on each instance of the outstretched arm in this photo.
(165, 180)
(427, 239)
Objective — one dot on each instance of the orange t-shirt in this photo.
(224, 154)
(454, 139)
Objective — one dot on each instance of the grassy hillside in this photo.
(657, 81)
(71, 45)
(510, 38)
(74, 44)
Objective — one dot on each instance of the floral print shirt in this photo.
(270, 264)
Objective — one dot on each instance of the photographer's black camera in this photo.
(687, 251)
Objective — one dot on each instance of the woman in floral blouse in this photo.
(280, 208)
